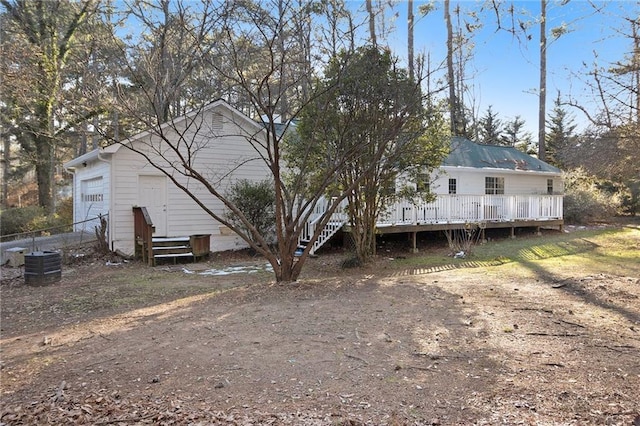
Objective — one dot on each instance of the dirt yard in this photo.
(117, 343)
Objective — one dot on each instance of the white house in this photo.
(493, 185)
(487, 183)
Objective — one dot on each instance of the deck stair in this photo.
(330, 229)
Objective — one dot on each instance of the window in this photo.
(493, 185)
(422, 183)
(453, 186)
(549, 186)
(388, 188)
(92, 198)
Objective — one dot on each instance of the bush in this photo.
(17, 220)
(588, 200)
(33, 218)
(631, 198)
(256, 200)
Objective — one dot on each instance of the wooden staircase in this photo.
(193, 246)
(152, 249)
(171, 248)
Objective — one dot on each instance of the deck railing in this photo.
(475, 208)
(447, 209)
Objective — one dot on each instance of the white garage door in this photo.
(92, 203)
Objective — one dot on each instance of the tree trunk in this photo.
(542, 106)
(410, 46)
(450, 72)
(635, 66)
(6, 166)
(372, 23)
(44, 170)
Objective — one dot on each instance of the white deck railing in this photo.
(448, 209)
(475, 208)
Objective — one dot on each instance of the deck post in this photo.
(414, 242)
(513, 232)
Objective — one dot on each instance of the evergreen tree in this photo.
(560, 136)
(491, 128)
(39, 53)
(515, 135)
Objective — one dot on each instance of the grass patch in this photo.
(612, 250)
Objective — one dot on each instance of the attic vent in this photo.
(216, 122)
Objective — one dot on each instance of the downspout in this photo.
(109, 224)
(72, 170)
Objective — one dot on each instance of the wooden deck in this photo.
(427, 227)
(453, 211)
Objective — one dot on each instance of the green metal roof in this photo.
(465, 153)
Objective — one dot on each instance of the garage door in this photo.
(92, 203)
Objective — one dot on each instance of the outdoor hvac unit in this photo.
(42, 267)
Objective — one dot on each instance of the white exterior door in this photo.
(152, 194)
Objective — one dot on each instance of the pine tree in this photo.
(515, 135)
(561, 134)
(491, 128)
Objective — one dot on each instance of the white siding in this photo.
(221, 159)
(472, 181)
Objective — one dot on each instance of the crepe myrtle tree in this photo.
(260, 61)
(371, 120)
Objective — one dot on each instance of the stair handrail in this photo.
(310, 227)
(143, 230)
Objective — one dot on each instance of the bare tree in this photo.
(459, 51)
(609, 148)
(169, 47)
(338, 32)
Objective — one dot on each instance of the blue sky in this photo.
(504, 72)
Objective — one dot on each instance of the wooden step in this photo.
(171, 248)
(172, 255)
(170, 242)
(170, 239)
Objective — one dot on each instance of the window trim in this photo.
(453, 186)
(493, 185)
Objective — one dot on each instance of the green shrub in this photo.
(64, 213)
(256, 201)
(588, 200)
(17, 220)
(33, 218)
(631, 198)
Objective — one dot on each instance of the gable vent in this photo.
(216, 122)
